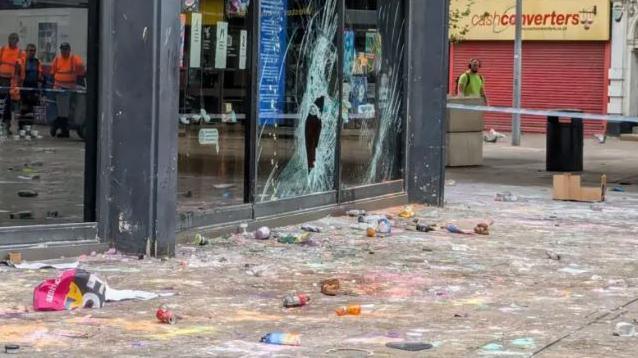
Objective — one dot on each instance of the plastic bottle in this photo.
(296, 300)
(350, 310)
(384, 227)
(282, 339)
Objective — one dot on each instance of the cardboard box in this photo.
(15, 258)
(569, 187)
(465, 121)
(464, 149)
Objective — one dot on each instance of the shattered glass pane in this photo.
(299, 98)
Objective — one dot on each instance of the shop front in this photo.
(566, 57)
(290, 105)
(212, 113)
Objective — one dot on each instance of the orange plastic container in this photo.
(350, 310)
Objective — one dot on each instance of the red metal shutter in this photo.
(556, 75)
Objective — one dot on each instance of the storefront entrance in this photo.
(289, 104)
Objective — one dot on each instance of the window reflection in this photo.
(214, 103)
(43, 90)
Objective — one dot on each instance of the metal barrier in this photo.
(544, 113)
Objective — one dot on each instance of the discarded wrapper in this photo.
(625, 329)
(27, 193)
(263, 233)
(78, 288)
(506, 197)
(282, 339)
(409, 346)
(455, 229)
(46, 265)
(407, 213)
(552, 255)
(311, 228)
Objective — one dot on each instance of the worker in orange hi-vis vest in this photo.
(11, 58)
(67, 69)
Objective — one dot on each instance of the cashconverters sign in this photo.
(574, 20)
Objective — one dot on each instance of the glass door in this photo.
(372, 135)
(215, 104)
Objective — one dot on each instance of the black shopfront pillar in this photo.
(427, 88)
(138, 99)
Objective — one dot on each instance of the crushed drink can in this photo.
(424, 228)
(165, 315)
(282, 339)
(296, 300)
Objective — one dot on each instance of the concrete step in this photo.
(629, 137)
(53, 250)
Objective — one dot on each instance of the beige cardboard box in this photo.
(464, 149)
(569, 187)
(465, 121)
